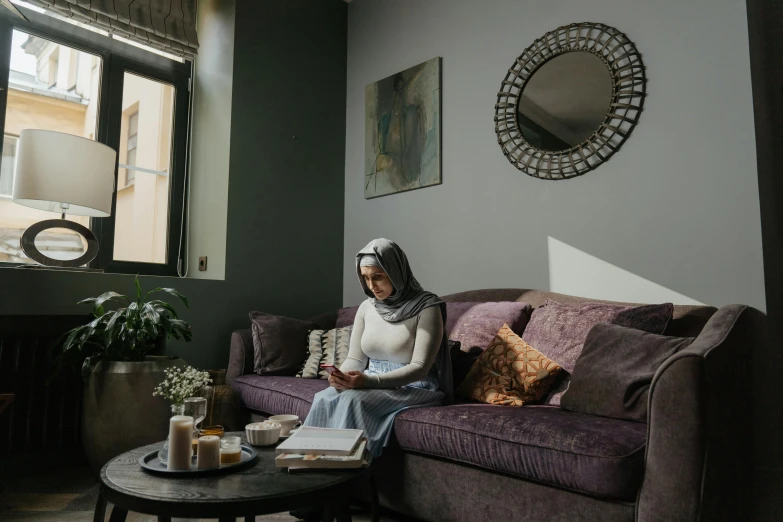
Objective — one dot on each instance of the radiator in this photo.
(42, 417)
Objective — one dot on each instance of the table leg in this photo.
(100, 509)
(327, 514)
(343, 511)
(374, 505)
(118, 514)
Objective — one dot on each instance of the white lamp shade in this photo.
(64, 173)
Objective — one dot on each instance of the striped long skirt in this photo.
(372, 410)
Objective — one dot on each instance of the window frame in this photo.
(117, 58)
(2, 149)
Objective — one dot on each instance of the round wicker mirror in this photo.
(570, 101)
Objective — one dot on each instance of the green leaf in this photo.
(111, 330)
(160, 306)
(148, 310)
(97, 302)
(172, 292)
(87, 367)
(138, 289)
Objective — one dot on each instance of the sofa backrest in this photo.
(688, 321)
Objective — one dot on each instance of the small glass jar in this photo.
(230, 450)
(212, 430)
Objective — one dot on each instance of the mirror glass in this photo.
(565, 101)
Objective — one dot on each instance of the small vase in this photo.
(163, 454)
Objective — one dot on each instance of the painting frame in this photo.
(403, 147)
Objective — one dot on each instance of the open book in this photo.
(297, 461)
(321, 441)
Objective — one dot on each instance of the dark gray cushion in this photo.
(612, 376)
(594, 455)
(279, 343)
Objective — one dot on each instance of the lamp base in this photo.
(28, 243)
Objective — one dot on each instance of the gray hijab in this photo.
(407, 300)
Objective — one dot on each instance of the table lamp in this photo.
(63, 173)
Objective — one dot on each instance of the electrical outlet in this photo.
(202, 264)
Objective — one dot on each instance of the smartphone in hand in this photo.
(330, 368)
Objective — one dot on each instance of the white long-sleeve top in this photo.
(414, 342)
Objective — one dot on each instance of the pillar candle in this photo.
(180, 442)
(208, 452)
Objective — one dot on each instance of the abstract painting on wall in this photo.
(402, 131)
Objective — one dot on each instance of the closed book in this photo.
(321, 441)
(298, 461)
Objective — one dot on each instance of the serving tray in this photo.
(151, 463)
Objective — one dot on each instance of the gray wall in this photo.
(677, 207)
(279, 187)
(213, 80)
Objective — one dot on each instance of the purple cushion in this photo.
(279, 343)
(612, 376)
(559, 331)
(278, 395)
(584, 453)
(346, 316)
(476, 324)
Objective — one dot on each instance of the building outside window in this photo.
(133, 138)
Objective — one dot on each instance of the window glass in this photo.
(142, 210)
(50, 87)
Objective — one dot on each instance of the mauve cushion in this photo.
(585, 453)
(278, 395)
(279, 343)
(559, 331)
(612, 376)
(476, 324)
(346, 316)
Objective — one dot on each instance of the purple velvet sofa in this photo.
(689, 461)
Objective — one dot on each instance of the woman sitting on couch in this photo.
(398, 357)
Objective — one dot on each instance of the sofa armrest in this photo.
(699, 424)
(240, 360)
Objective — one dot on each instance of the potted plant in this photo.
(113, 350)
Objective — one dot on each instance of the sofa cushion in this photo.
(279, 343)
(476, 324)
(612, 376)
(346, 316)
(559, 330)
(584, 453)
(277, 395)
(509, 372)
(325, 347)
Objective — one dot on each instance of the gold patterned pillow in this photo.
(325, 346)
(510, 372)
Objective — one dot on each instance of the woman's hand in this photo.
(352, 380)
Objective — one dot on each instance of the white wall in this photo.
(677, 206)
(211, 138)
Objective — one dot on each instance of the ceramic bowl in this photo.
(263, 433)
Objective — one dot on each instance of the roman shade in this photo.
(167, 25)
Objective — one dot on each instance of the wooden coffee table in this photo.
(258, 489)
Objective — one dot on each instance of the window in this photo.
(132, 141)
(68, 79)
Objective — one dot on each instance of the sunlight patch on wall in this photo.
(574, 272)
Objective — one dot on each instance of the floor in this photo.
(63, 490)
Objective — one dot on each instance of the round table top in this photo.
(256, 488)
